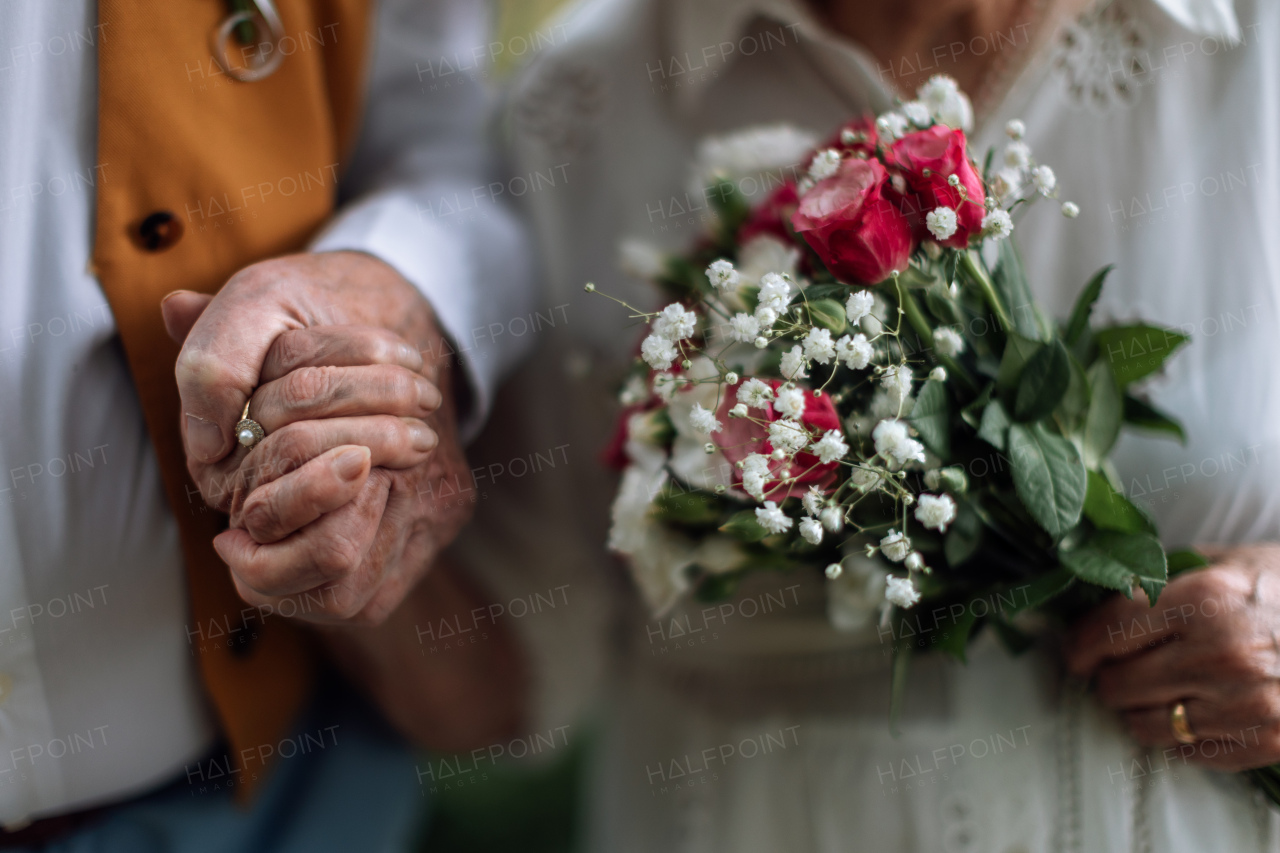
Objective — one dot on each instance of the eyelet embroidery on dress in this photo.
(1103, 57)
(561, 108)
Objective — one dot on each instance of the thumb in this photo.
(180, 310)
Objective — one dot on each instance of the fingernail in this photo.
(204, 439)
(424, 438)
(428, 396)
(349, 464)
(411, 355)
(174, 293)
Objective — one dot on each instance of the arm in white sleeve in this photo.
(422, 192)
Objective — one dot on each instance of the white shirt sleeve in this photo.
(423, 192)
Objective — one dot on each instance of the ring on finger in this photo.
(248, 431)
(1182, 732)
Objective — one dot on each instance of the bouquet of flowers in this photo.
(853, 378)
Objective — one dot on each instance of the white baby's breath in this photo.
(755, 394)
(658, 352)
(997, 224)
(818, 345)
(936, 511)
(947, 341)
(859, 305)
(793, 364)
(811, 530)
(1044, 179)
(675, 322)
(787, 435)
(790, 403)
(772, 518)
(901, 591)
(743, 327)
(941, 222)
(855, 352)
(722, 275)
(830, 448)
(704, 420)
(894, 443)
(824, 164)
(895, 546)
(775, 292)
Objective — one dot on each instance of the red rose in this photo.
(740, 437)
(771, 216)
(927, 159)
(857, 232)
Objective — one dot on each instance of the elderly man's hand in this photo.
(1211, 642)
(337, 500)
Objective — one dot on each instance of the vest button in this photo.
(158, 231)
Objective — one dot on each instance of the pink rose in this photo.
(741, 437)
(857, 232)
(927, 159)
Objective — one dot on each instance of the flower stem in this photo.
(918, 322)
(974, 271)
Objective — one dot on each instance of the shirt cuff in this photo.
(435, 259)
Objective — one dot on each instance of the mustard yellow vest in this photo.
(202, 175)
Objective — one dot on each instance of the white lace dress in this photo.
(760, 727)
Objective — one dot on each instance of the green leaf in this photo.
(1043, 382)
(994, 425)
(1145, 416)
(1049, 477)
(1136, 351)
(1186, 560)
(1102, 424)
(914, 277)
(931, 417)
(1084, 304)
(1118, 561)
(1074, 408)
(1110, 510)
(1017, 352)
(972, 413)
(1037, 592)
(828, 314)
(694, 508)
(963, 537)
(744, 527)
(1011, 283)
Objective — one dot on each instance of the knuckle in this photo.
(262, 516)
(402, 388)
(305, 386)
(293, 348)
(379, 347)
(338, 556)
(292, 446)
(199, 367)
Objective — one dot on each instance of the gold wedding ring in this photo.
(1178, 722)
(249, 432)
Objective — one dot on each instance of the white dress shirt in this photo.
(1161, 122)
(99, 692)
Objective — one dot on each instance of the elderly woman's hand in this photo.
(1212, 642)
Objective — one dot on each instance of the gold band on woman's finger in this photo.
(1178, 722)
(248, 431)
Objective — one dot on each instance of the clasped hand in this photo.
(328, 350)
